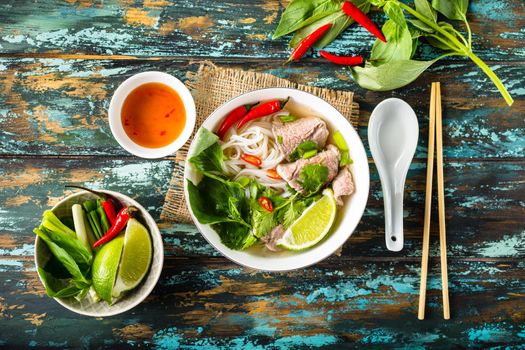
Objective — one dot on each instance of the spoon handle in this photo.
(393, 218)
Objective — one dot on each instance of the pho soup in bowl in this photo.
(276, 179)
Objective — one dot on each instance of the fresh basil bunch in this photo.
(391, 65)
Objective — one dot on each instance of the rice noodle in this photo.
(255, 139)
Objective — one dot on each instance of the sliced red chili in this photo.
(262, 110)
(266, 203)
(232, 118)
(306, 44)
(360, 17)
(342, 60)
(251, 159)
(272, 174)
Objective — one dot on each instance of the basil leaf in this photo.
(207, 155)
(391, 75)
(300, 13)
(421, 25)
(398, 45)
(213, 201)
(424, 7)
(395, 13)
(452, 9)
(234, 235)
(57, 287)
(339, 20)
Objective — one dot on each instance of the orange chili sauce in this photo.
(153, 115)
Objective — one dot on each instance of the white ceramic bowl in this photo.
(348, 217)
(115, 108)
(131, 298)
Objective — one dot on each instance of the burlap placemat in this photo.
(211, 86)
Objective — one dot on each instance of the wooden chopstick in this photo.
(435, 135)
(428, 204)
(441, 205)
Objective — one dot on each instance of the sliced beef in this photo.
(294, 133)
(343, 185)
(329, 158)
(271, 239)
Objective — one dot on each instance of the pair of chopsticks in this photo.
(435, 133)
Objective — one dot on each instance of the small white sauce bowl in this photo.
(115, 108)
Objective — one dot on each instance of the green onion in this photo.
(309, 154)
(82, 228)
(52, 223)
(279, 139)
(243, 181)
(340, 141)
(287, 118)
(345, 159)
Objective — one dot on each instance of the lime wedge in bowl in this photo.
(136, 257)
(105, 267)
(312, 226)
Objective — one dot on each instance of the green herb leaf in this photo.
(345, 159)
(58, 287)
(452, 9)
(421, 25)
(213, 201)
(302, 148)
(207, 154)
(300, 13)
(398, 45)
(234, 235)
(395, 13)
(391, 75)
(425, 8)
(312, 177)
(339, 20)
(279, 139)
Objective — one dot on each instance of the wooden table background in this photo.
(59, 64)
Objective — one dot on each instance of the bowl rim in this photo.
(285, 269)
(118, 98)
(156, 275)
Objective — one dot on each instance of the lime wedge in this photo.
(312, 225)
(136, 257)
(105, 266)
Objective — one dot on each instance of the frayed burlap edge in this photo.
(211, 86)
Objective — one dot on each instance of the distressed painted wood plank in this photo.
(52, 106)
(213, 303)
(484, 202)
(231, 28)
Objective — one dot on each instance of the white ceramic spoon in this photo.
(393, 132)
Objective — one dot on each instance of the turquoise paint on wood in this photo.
(365, 298)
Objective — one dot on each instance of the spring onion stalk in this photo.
(104, 221)
(51, 222)
(82, 228)
(93, 219)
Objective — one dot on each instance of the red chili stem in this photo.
(342, 60)
(360, 17)
(266, 203)
(262, 110)
(120, 222)
(232, 118)
(306, 44)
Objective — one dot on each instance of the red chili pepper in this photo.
(266, 203)
(343, 60)
(232, 118)
(262, 110)
(360, 17)
(306, 44)
(250, 158)
(120, 222)
(272, 174)
(108, 203)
